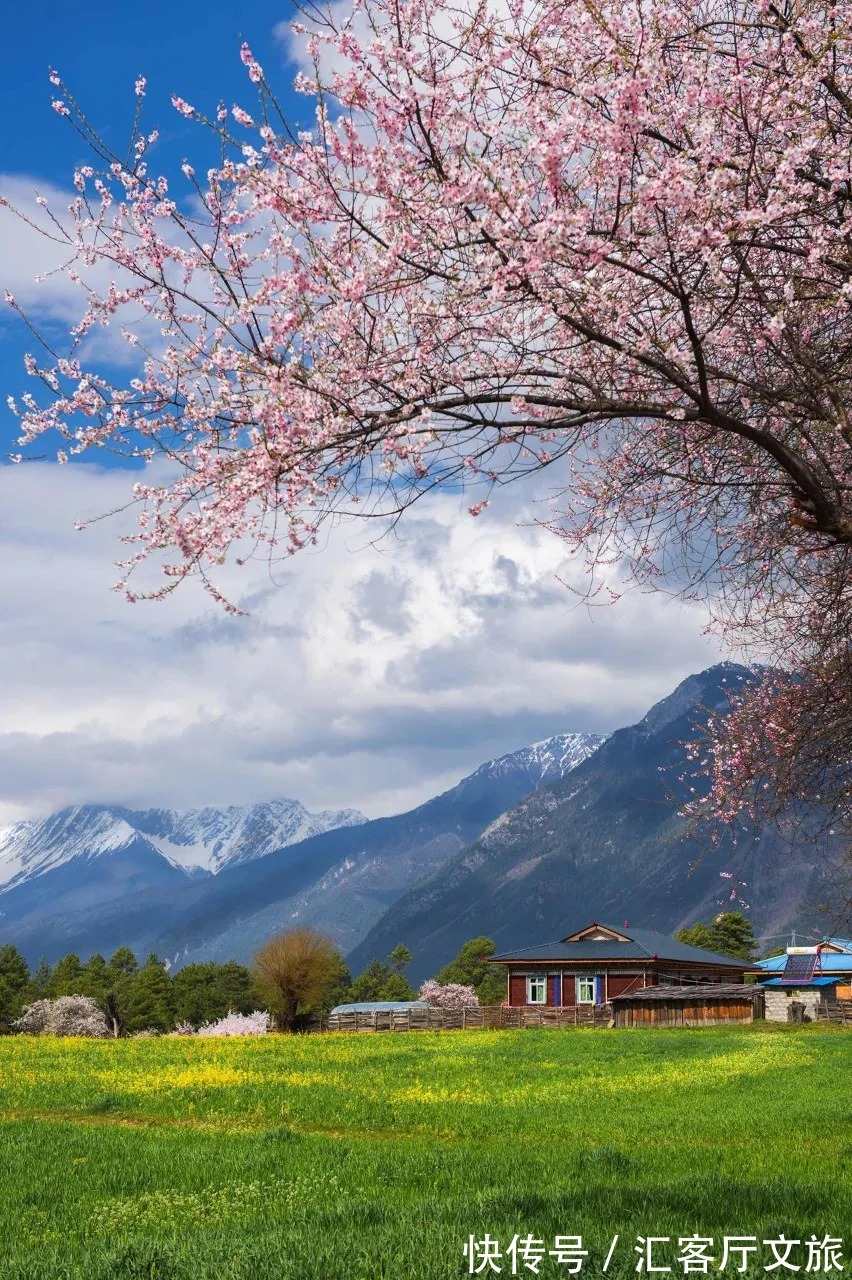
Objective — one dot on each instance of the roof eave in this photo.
(640, 961)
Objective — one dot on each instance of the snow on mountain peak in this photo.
(194, 840)
(215, 838)
(207, 840)
(548, 760)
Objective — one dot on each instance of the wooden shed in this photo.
(702, 1005)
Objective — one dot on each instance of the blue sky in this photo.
(99, 49)
(366, 676)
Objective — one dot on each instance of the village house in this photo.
(807, 976)
(598, 963)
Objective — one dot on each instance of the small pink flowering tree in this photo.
(608, 240)
(449, 995)
(237, 1024)
(65, 1016)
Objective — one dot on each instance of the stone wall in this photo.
(778, 1001)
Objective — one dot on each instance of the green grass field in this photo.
(378, 1155)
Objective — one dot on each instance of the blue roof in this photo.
(791, 986)
(380, 1006)
(830, 962)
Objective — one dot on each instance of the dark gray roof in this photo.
(644, 944)
(695, 991)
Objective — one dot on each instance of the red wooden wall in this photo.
(617, 984)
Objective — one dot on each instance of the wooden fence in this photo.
(839, 1011)
(490, 1017)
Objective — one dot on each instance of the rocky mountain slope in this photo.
(340, 880)
(525, 848)
(605, 843)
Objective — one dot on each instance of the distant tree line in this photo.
(295, 975)
(134, 997)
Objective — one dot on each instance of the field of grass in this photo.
(348, 1157)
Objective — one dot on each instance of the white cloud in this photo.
(366, 675)
(33, 248)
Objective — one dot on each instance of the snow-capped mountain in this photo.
(211, 839)
(545, 761)
(194, 840)
(155, 891)
(606, 843)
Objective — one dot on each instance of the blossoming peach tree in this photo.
(448, 995)
(610, 240)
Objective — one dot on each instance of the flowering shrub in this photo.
(183, 1029)
(67, 1016)
(237, 1024)
(448, 995)
(33, 1020)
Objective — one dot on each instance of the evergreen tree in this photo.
(369, 984)
(471, 969)
(698, 935)
(145, 998)
(400, 958)
(734, 934)
(40, 981)
(195, 995)
(379, 981)
(123, 967)
(123, 963)
(397, 987)
(236, 986)
(67, 978)
(98, 979)
(205, 992)
(14, 985)
(492, 988)
(340, 982)
(730, 934)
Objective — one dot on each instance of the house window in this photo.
(585, 991)
(537, 989)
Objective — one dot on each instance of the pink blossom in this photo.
(611, 244)
(254, 69)
(448, 995)
(237, 1024)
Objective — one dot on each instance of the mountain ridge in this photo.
(192, 840)
(530, 841)
(369, 863)
(606, 842)
(366, 863)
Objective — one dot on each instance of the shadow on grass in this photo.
(103, 1104)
